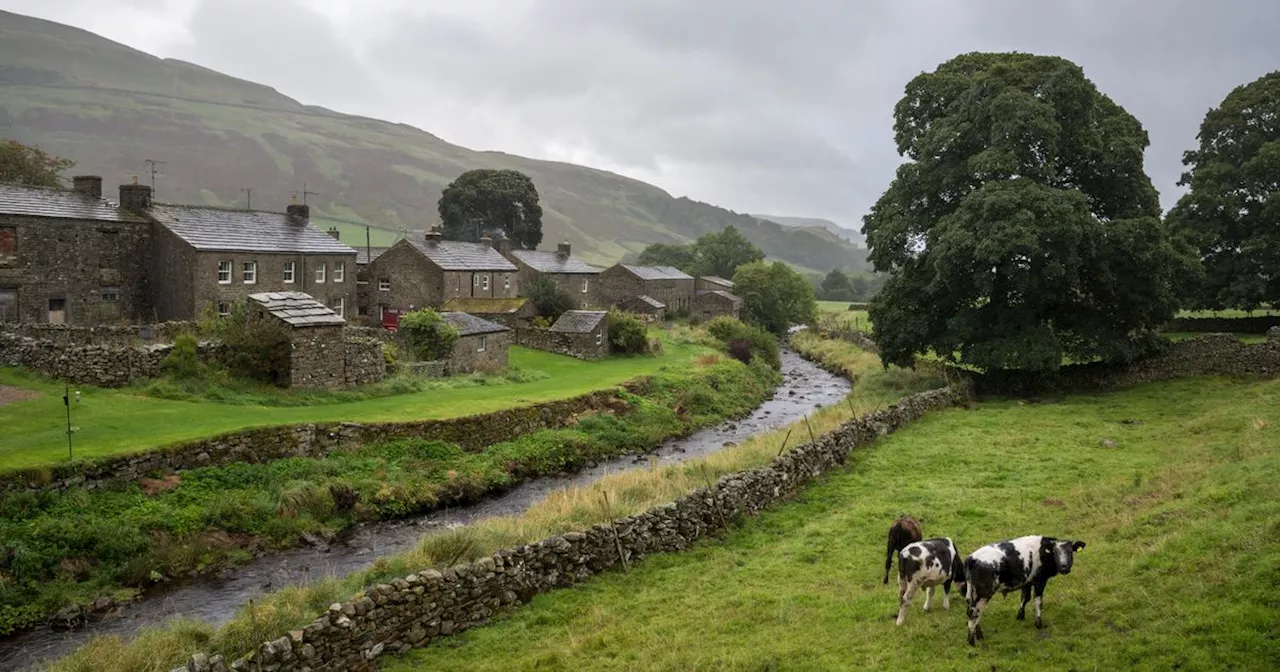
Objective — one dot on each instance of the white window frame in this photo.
(457, 284)
(586, 283)
(224, 309)
(321, 268)
(384, 284)
(225, 267)
(482, 341)
(506, 281)
(289, 268)
(475, 279)
(484, 282)
(599, 338)
(340, 306)
(110, 294)
(339, 272)
(249, 272)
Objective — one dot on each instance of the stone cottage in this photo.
(645, 307)
(71, 257)
(573, 276)
(426, 272)
(714, 296)
(510, 313)
(211, 257)
(585, 332)
(317, 346)
(623, 283)
(364, 287)
(481, 346)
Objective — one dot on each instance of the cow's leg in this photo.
(904, 602)
(928, 598)
(1026, 597)
(1039, 600)
(946, 595)
(976, 606)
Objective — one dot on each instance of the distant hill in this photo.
(850, 235)
(110, 107)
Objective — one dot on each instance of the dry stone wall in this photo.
(364, 361)
(417, 609)
(265, 444)
(163, 332)
(97, 365)
(582, 346)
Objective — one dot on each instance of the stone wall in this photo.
(364, 363)
(1215, 354)
(420, 608)
(97, 365)
(1224, 325)
(468, 357)
(582, 346)
(317, 358)
(163, 332)
(264, 444)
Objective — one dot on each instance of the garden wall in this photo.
(1224, 325)
(419, 608)
(100, 365)
(582, 346)
(163, 332)
(364, 361)
(265, 444)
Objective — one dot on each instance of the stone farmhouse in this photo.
(364, 288)
(425, 273)
(72, 257)
(573, 276)
(481, 346)
(622, 284)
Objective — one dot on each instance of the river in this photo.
(215, 599)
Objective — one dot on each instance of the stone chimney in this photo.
(299, 213)
(89, 186)
(432, 236)
(486, 240)
(504, 246)
(562, 250)
(333, 231)
(135, 196)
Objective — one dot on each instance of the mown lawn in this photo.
(1182, 568)
(121, 421)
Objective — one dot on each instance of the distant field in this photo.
(1229, 313)
(354, 234)
(121, 421)
(1181, 518)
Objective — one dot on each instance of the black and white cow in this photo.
(1025, 563)
(927, 564)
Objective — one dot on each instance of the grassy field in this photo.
(853, 319)
(1182, 568)
(120, 421)
(1230, 312)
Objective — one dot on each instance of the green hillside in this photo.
(110, 107)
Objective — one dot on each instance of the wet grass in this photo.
(1182, 568)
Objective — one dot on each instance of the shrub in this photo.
(742, 341)
(627, 334)
(427, 334)
(551, 301)
(541, 322)
(183, 362)
(255, 345)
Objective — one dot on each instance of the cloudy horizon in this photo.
(754, 105)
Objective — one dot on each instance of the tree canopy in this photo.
(719, 253)
(1022, 228)
(487, 201)
(550, 300)
(662, 254)
(775, 296)
(1231, 213)
(26, 164)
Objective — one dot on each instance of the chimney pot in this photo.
(432, 236)
(89, 186)
(135, 196)
(562, 250)
(299, 214)
(486, 240)
(504, 245)
(333, 231)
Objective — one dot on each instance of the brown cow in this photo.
(905, 530)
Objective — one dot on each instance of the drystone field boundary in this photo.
(417, 609)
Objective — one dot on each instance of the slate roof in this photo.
(365, 255)
(484, 306)
(657, 272)
(544, 261)
(298, 309)
(717, 280)
(650, 301)
(244, 230)
(21, 199)
(455, 255)
(721, 293)
(579, 321)
(470, 325)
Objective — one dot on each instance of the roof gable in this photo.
(456, 255)
(22, 199)
(470, 325)
(245, 230)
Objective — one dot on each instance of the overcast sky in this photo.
(756, 105)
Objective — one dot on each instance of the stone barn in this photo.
(482, 345)
(669, 286)
(512, 312)
(586, 332)
(645, 307)
(318, 349)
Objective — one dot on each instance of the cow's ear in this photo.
(1077, 545)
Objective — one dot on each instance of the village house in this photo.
(481, 346)
(624, 285)
(714, 296)
(364, 287)
(426, 272)
(209, 258)
(71, 257)
(572, 276)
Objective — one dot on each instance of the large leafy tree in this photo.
(662, 254)
(487, 201)
(26, 164)
(1231, 214)
(774, 296)
(1022, 229)
(836, 286)
(722, 252)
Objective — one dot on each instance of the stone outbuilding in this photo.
(425, 272)
(317, 347)
(714, 296)
(645, 307)
(71, 257)
(573, 276)
(623, 283)
(481, 346)
(511, 313)
(585, 331)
